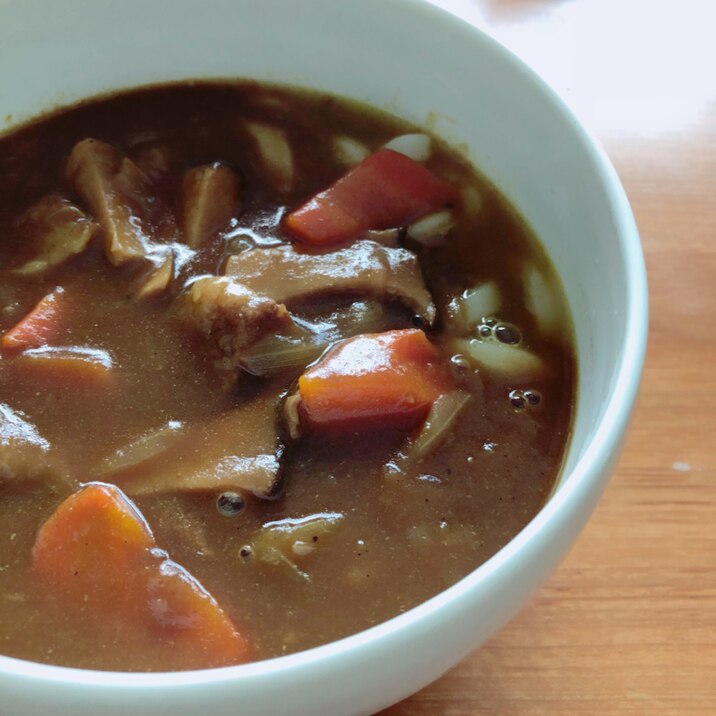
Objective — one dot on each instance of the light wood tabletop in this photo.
(627, 625)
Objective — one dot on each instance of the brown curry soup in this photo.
(300, 538)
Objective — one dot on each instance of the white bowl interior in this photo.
(425, 66)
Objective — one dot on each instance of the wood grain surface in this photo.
(627, 625)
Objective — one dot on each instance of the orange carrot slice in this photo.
(373, 381)
(96, 559)
(386, 190)
(39, 326)
(73, 367)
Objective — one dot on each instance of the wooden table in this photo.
(627, 625)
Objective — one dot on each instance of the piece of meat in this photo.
(113, 188)
(24, 454)
(58, 229)
(230, 316)
(210, 198)
(286, 274)
(240, 450)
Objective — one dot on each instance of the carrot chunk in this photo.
(72, 367)
(39, 326)
(387, 189)
(97, 560)
(373, 381)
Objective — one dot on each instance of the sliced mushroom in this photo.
(58, 228)
(241, 451)
(112, 186)
(285, 274)
(210, 198)
(292, 415)
(275, 152)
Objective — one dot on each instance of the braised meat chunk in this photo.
(230, 316)
(58, 229)
(366, 268)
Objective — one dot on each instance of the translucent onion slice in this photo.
(542, 301)
(349, 151)
(276, 354)
(415, 146)
(281, 542)
(502, 359)
(484, 300)
(432, 228)
(438, 425)
(468, 309)
(472, 200)
(143, 448)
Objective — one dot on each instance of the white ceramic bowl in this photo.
(426, 66)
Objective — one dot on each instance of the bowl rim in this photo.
(573, 489)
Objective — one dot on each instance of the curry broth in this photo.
(401, 538)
